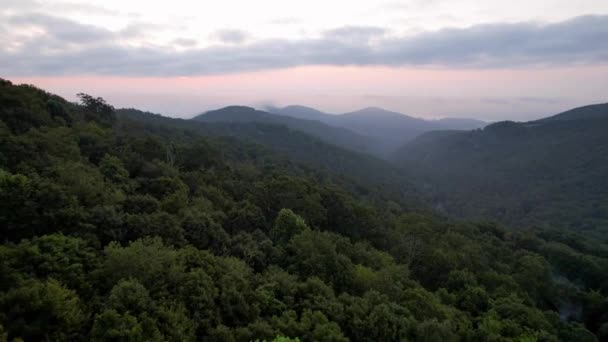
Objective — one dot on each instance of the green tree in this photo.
(104, 112)
(286, 225)
(113, 326)
(112, 169)
(42, 310)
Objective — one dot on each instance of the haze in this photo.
(491, 60)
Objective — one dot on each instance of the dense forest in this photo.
(549, 172)
(125, 226)
(289, 144)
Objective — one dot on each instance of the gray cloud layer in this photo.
(230, 36)
(67, 48)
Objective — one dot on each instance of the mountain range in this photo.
(334, 135)
(371, 130)
(517, 173)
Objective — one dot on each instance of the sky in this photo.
(492, 59)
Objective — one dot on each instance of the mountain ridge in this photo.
(295, 144)
(391, 128)
(334, 135)
(593, 111)
(519, 172)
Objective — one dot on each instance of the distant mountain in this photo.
(333, 135)
(391, 129)
(460, 123)
(380, 122)
(553, 170)
(302, 112)
(596, 111)
(295, 144)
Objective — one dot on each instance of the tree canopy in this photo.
(123, 229)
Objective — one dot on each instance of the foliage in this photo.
(112, 231)
(549, 173)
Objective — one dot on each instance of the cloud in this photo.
(355, 33)
(579, 40)
(139, 29)
(57, 6)
(527, 100)
(411, 5)
(93, 50)
(230, 36)
(285, 21)
(184, 42)
(61, 29)
(541, 100)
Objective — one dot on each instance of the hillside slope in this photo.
(596, 111)
(294, 144)
(550, 171)
(333, 135)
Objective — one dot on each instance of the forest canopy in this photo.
(117, 228)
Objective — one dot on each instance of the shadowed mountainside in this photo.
(543, 172)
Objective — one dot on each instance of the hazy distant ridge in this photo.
(379, 131)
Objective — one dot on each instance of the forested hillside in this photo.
(333, 135)
(124, 229)
(549, 172)
(288, 144)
